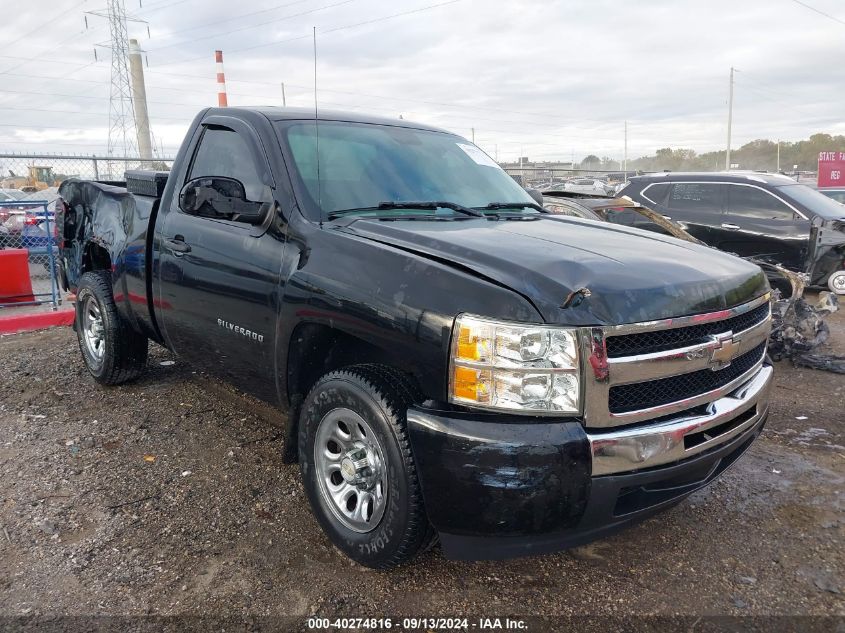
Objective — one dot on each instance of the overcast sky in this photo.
(549, 80)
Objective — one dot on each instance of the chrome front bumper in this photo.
(677, 439)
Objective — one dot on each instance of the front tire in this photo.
(836, 282)
(113, 352)
(357, 467)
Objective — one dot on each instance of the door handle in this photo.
(730, 226)
(177, 245)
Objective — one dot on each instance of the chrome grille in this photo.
(645, 395)
(660, 340)
(638, 373)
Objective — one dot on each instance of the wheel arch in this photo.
(314, 350)
(95, 257)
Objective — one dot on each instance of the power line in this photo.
(302, 37)
(761, 86)
(158, 6)
(51, 144)
(100, 98)
(32, 59)
(43, 24)
(252, 26)
(78, 113)
(390, 17)
(237, 17)
(165, 4)
(820, 12)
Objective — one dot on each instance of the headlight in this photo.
(499, 365)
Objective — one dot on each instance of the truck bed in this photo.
(102, 220)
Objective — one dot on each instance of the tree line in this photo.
(761, 154)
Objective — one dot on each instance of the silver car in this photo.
(589, 185)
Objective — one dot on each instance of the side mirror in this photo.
(537, 195)
(221, 198)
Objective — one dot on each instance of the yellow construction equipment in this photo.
(39, 177)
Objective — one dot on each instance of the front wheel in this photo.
(113, 352)
(357, 467)
(836, 282)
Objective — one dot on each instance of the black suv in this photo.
(767, 216)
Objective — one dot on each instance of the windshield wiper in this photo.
(397, 204)
(442, 204)
(516, 205)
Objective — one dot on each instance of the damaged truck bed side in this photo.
(453, 360)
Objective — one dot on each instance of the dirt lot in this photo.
(168, 497)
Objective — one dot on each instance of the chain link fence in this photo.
(31, 173)
(539, 177)
(28, 250)
(29, 185)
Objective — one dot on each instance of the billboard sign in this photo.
(831, 169)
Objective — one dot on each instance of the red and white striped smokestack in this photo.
(221, 80)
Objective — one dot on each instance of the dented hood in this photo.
(631, 275)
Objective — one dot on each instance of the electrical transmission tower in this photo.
(122, 127)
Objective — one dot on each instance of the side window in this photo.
(751, 202)
(696, 196)
(224, 152)
(657, 193)
(625, 217)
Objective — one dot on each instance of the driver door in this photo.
(762, 225)
(218, 278)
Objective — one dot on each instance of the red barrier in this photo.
(38, 321)
(15, 284)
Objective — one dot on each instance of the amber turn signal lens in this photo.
(468, 344)
(471, 384)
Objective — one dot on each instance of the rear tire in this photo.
(357, 467)
(113, 352)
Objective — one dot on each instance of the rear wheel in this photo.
(357, 466)
(113, 352)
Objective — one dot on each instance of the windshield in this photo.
(837, 194)
(817, 203)
(364, 165)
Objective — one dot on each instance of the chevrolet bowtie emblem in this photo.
(724, 352)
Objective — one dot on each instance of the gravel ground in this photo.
(168, 497)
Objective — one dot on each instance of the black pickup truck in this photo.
(452, 360)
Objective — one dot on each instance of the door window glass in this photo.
(755, 203)
(695, 196)
(657, 193)
(225, 153)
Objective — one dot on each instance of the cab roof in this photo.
(278, 113)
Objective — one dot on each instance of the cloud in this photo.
(547, 80)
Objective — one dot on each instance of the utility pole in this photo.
(122, 129)
(625, 159)
(139, 100)
(730, 120)
(778, 167)
(473, 135)
(284, 101)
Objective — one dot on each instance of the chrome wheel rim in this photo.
(93, 332)
(838, 282)
(350, 469)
